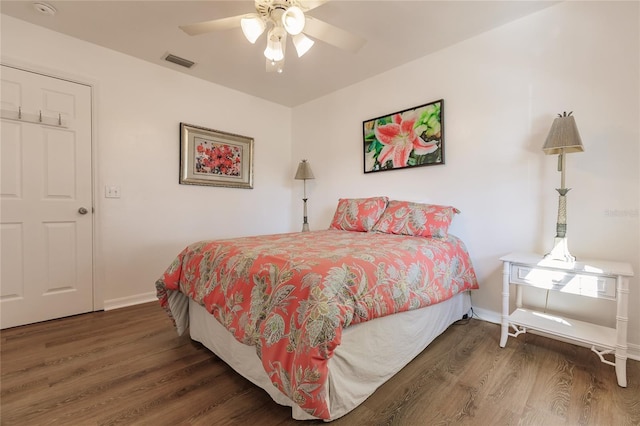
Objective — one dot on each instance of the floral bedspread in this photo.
(291, 295)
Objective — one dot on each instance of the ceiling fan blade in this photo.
(311, 4)
(333, 35)
(215, 25)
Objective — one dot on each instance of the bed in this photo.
(321, 319)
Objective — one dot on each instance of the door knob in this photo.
(82, 210)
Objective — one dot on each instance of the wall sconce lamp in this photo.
(563, 138)
(303, 173)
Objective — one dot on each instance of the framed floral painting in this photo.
(410, 138)
(211, 157)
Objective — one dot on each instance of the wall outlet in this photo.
(112, 192)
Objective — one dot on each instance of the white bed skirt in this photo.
(370, 352)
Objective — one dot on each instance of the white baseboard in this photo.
(486, 315)
(633, 350)
(123, 302)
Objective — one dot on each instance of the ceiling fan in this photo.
(281, 18)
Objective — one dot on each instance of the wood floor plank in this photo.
(552, 385)
(129, 367)
(588, 386)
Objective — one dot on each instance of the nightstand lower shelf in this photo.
(567, 328)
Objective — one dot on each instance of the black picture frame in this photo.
(413, 137)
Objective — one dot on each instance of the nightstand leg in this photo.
(504, 329)
(621, 370)
(622, 318)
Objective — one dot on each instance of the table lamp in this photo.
(303, 173)
(563, 139)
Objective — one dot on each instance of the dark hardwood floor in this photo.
(128, 366)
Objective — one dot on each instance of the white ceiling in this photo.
(397, 32)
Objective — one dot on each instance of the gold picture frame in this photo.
(214, 158)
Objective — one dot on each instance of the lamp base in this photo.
(305, 223)
(560, 251)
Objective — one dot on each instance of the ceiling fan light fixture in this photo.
(281, 18)
(252, 27)
(293, 20)
(302, 44)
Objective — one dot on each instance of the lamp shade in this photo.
(302, 44)
(563, 136)
(252, 27)
(293, 20)
(275, 44)
(274, 52)
(304, 171)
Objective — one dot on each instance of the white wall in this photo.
(138, 108)
(501, 91)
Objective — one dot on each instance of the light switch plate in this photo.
(111, 191)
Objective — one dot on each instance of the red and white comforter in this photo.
(291, 295)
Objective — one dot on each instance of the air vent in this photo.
(180, 61)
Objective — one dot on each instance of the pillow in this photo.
(420, 220)
(358, 214)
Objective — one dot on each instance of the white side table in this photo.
(598, 278)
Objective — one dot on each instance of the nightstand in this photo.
(598, 278)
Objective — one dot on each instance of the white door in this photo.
(46, 232)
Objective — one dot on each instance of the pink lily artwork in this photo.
(409, 138)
